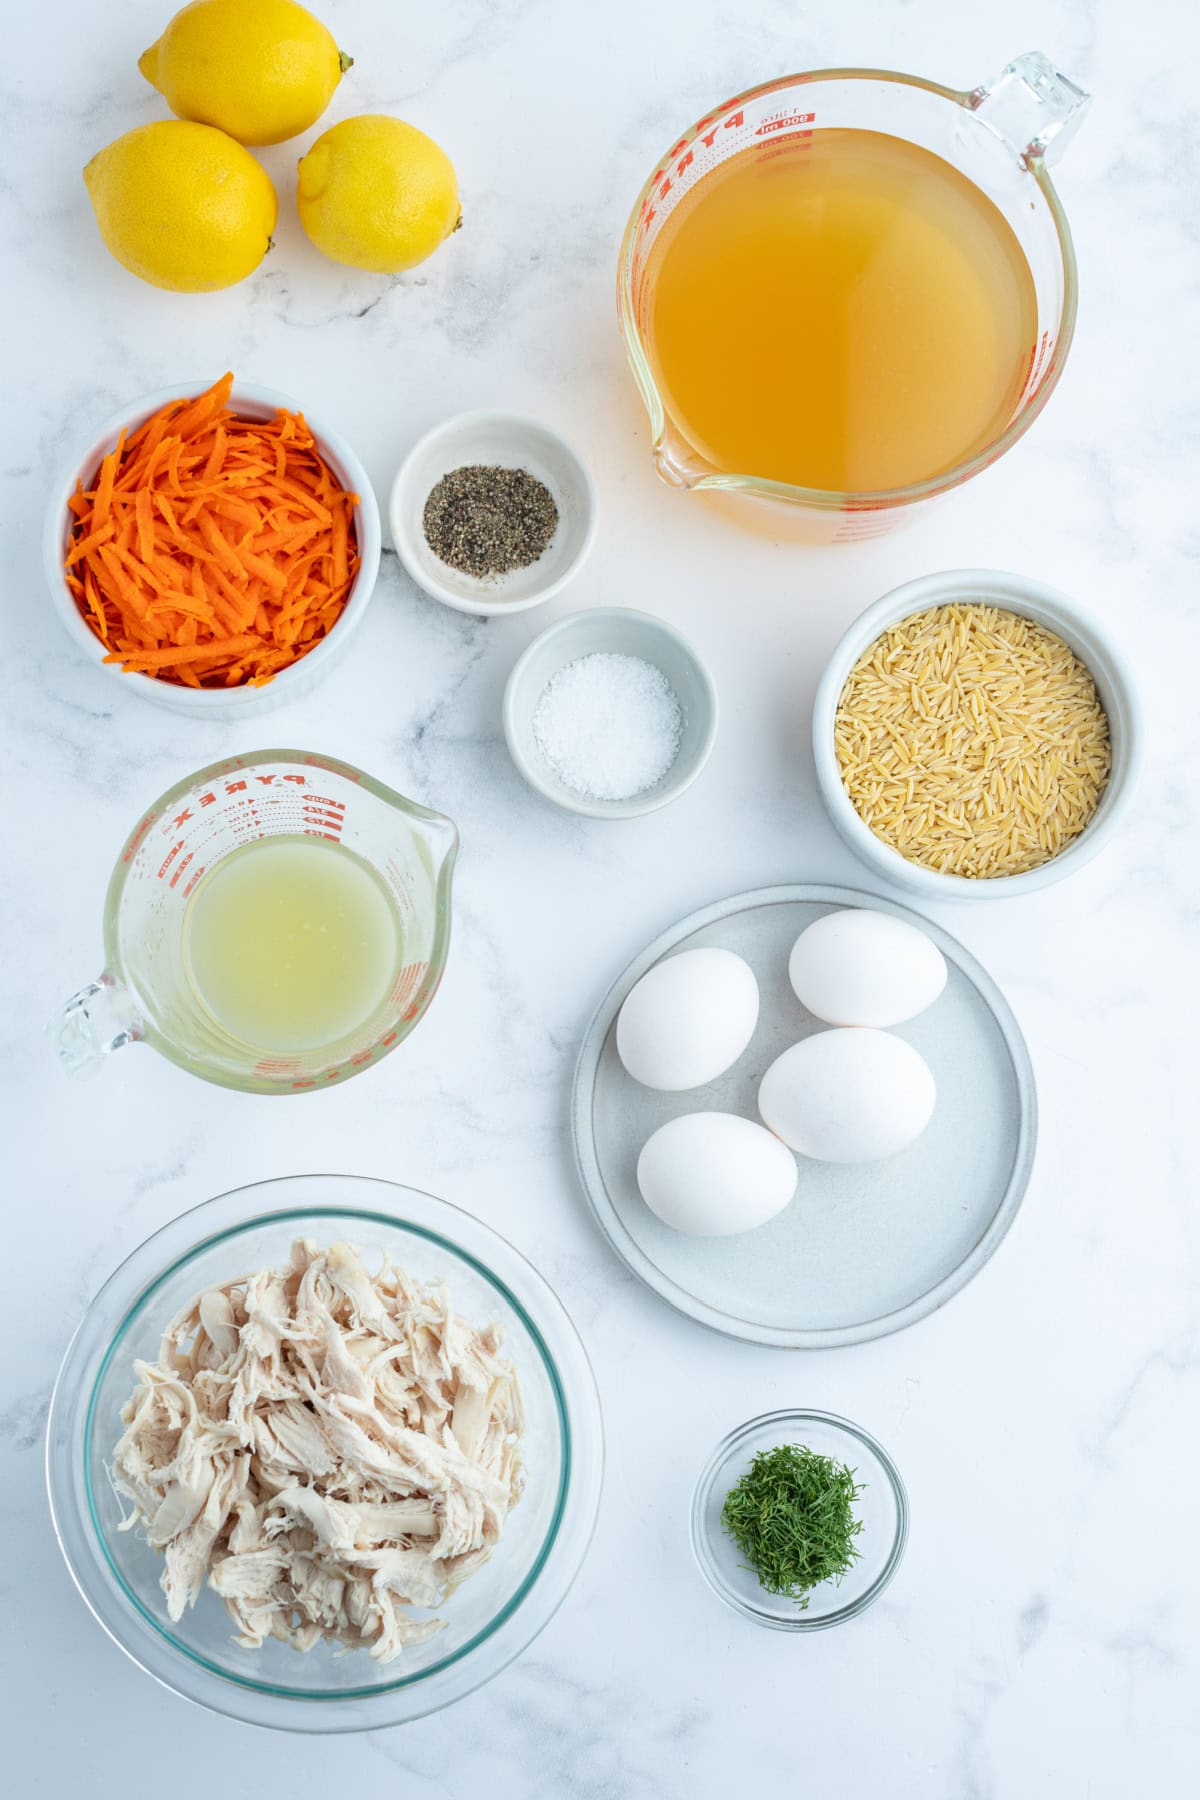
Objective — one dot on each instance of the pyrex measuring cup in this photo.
(144, 994)
(1000, 135)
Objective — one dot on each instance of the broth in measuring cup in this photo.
(842, 310)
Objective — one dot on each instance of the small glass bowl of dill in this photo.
(786, 1497)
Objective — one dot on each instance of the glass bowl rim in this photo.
(786, 1417)
(69, 1479)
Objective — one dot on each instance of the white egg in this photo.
(848, 1095)
(688, 1019)
(713, 1174)
(859, 967)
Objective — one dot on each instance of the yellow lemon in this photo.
(182, 206)
(377, 194)
(262, 70)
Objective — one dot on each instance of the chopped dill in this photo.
(792, 1517)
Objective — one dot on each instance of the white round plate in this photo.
(866, 1248)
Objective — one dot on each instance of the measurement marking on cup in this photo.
(782, 122)
(177, 872)
(169, 858)
(131, 848)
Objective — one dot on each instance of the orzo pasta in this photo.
(972, 740)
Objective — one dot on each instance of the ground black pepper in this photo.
(489, 521)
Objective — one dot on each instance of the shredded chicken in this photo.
(327, 1448)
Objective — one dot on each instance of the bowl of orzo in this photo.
(976, 735)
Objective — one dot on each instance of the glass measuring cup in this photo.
(1000, 135)
(145, 995)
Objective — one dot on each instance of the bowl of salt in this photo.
(610, 713)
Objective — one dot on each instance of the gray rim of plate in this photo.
(641, 1265)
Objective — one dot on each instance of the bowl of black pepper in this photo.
(492, 512)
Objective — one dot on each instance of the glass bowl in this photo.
(489, 1620)
(882, 1506)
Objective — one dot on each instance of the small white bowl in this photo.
(1095, 649)
(508, 441)
(618, 630)
(215, 703)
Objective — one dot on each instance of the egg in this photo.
(688, 1019)
(859, 967)
(848, 1096)
(713, 1174)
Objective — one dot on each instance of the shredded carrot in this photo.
(216, 650)
(212, 550)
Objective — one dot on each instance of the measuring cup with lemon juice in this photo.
(275, 923)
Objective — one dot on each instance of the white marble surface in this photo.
(1040, 1639)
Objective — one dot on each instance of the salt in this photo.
(608, 725)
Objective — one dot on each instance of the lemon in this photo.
(377, 194)
(182, 206)
(262, 70)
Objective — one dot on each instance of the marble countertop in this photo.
(1040, 1639)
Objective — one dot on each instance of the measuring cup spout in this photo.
(676, 462)
(438, 838)
(98, 1019)
(1033, 106)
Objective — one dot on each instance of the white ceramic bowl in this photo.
(627, 633)
(215, 703)
(509, 441)
(1034, 600)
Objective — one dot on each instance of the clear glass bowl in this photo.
(489, 1620)
(882, 1506)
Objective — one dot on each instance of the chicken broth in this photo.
(843, 311)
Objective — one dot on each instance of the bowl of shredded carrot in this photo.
(213, 548)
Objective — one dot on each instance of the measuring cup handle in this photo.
(98, 1019)
(1033, 106)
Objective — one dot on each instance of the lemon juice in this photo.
(291, 943)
